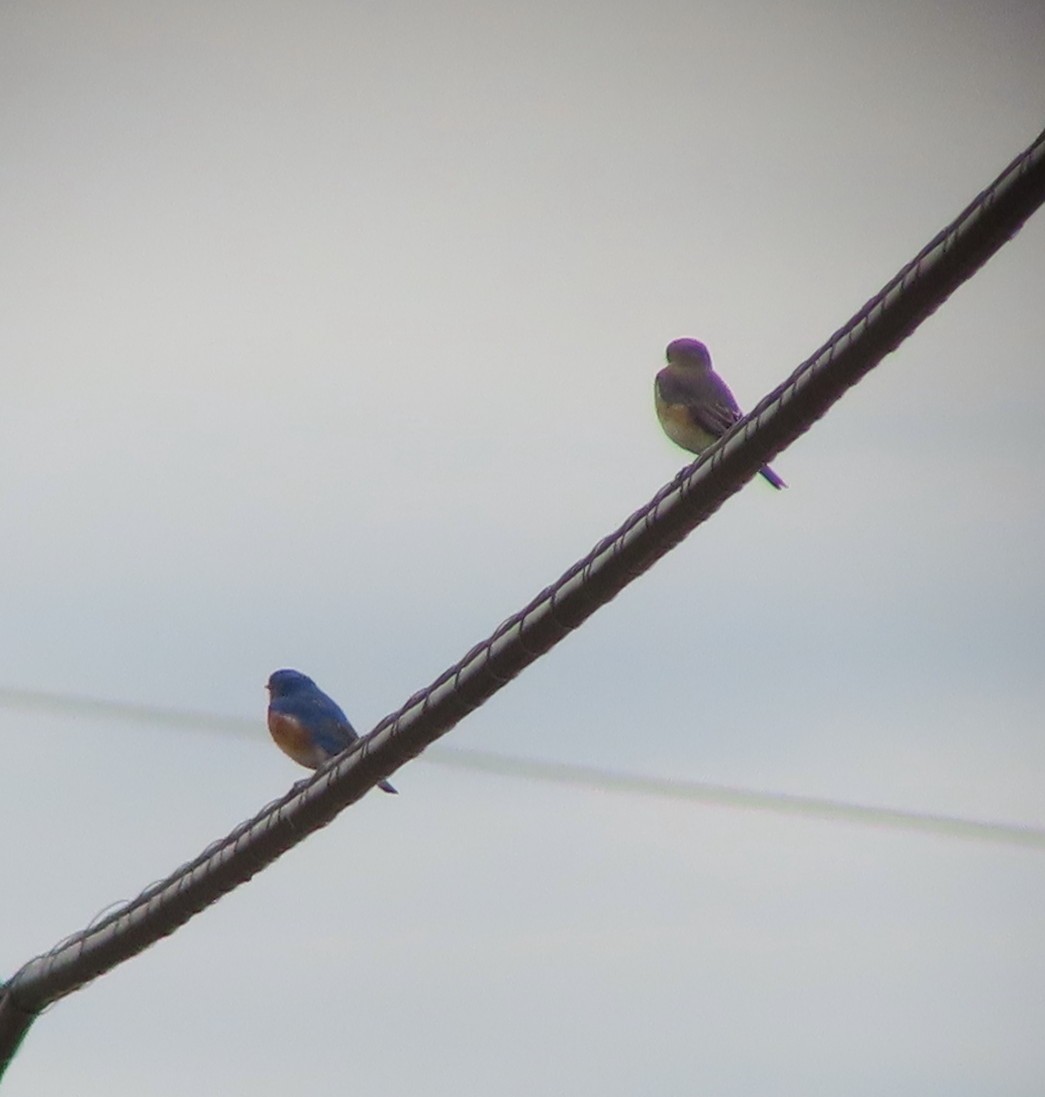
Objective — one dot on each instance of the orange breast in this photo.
(294, 740)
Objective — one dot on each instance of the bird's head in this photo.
(688, 352)
(284, 683)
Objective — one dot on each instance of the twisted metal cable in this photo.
(920, 287)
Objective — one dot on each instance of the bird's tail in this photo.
(384, 786)
(772, 477)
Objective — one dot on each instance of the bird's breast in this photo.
(678, 425)
(294, 739)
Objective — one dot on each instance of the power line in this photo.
(778, 803)
(569, 773)
(919, 288)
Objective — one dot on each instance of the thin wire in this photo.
(779, 803)
(951, 258)
(592, 777)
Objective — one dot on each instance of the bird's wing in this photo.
(332, 724)
(323, 717)
(334, 736)
(706, 397)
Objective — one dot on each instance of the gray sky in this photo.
(330, 332)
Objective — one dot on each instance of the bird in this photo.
(694, 405)
(306, 724)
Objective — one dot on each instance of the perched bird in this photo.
(694, 404)
(306, 723)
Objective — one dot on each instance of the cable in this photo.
(778, 803)
(920, 287)
(593, 777)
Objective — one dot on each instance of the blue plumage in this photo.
(306, 724)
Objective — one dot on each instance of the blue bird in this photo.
(694, 405)
(306, 724)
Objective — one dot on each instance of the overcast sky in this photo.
(329, 332)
